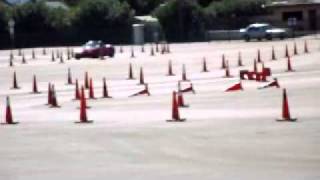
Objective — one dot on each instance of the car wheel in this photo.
(281, 36)
(247, 38)
(269, 37)
(112, 53)
(77, 57)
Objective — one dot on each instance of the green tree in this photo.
(182, 20)
(32, 18)
(103, 19)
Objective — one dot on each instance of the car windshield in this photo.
(92, 44)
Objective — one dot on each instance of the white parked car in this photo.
(263, 31)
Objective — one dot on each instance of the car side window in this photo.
(253, 29)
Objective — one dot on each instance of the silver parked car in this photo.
(263, 31)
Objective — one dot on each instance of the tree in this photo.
(182, 20)
(103, 19)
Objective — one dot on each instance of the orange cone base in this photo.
(55, 106)
(106, 97)
(291, 70)
(12, 123)
(84, 122)
(190, 89)
(141, 93)
(228, 76)
(287, 120)
(176, 120)
(87, 107)
(15, 88)
(170, 74)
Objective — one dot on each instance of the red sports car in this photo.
(94, 49)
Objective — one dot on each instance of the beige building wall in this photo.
(277, 16)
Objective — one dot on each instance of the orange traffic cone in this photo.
(184, 73)
(83, 108)
(181, 101)
(287, 51)
(15, 82)
(255, 68)
(141, 79)
(151, 51)
(227, 71)
(49, 94)
(259, 56)
(91, 90)
(35, 86)
(61, 58)
(9, 117)
(170, 71)
(130, 72)
(285, 109)
(11, 62)
(33, 54)
(240, 60)
(54, 101)
(132, 52)
(295, 49)
(52, 57)
(306, 49)
(223, 63)
(273, 55)
(188, 89)
(274, 83)
(23, 61)
(145, 91)
(86, 80)
(289, 65)
(69, 54)
(69, 77)
(236, 87)
(204, 65)
(175, 110)
(105, 93)
(157, 47)
(77, 91)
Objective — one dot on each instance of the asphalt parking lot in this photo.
(227, 135)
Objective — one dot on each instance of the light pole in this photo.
(11, 24)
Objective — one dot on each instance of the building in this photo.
(301, 15)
